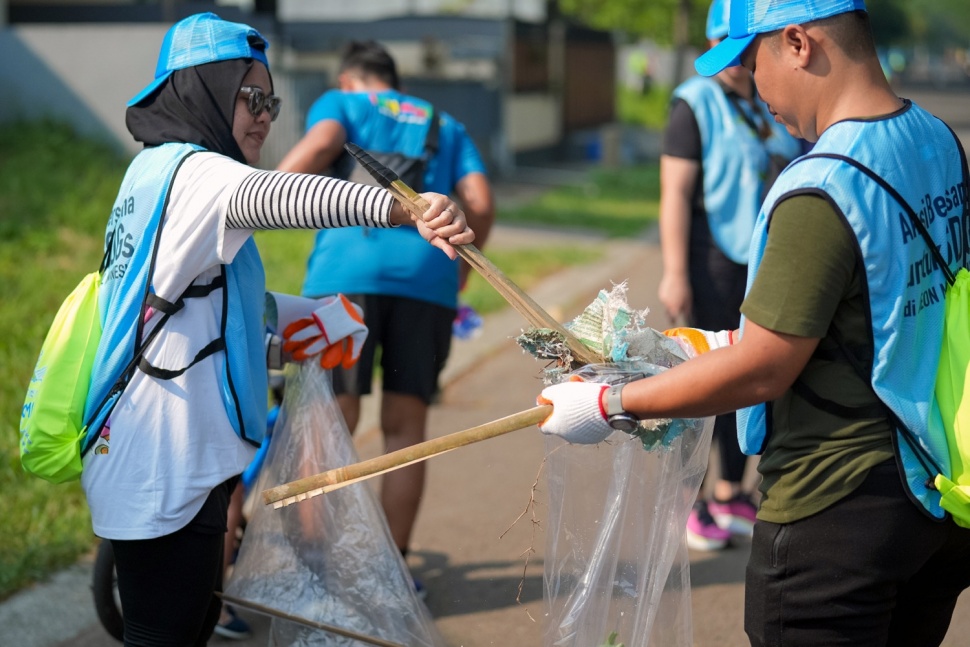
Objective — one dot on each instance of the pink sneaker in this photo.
(736, 515)
(702, 531)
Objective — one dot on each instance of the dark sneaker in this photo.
(703, 532)
(419, 589)
(235, 629)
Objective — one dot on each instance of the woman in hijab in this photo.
(178, 400)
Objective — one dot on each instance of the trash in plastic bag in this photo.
(330, 559)
(615, 559)
(616, 565)
(610, 328)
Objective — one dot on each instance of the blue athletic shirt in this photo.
(395, 262)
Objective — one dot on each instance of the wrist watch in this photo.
(615, 415)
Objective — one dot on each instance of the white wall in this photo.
(532, 121)
(84, 74)
(338, 10)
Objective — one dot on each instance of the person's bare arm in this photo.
(758, 368)
(318, 150)
(678, 181)
(475, 197)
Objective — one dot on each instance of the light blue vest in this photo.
(133, 231)
(734, 162)
(916, 154)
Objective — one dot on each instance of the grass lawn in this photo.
(618, 202)
(55, 193)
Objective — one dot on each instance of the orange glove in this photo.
(697, 342)
(335, 331)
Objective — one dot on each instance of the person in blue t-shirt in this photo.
(409, 296)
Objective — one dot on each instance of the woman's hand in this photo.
(443, 224)
(676, 296)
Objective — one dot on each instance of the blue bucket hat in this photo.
(203, 38)
(749, 18)
(717, 19)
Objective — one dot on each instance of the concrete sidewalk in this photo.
(469, 544)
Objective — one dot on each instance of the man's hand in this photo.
(443, 224)
(577, 414)
(335, 331)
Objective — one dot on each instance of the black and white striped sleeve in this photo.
(278, 200)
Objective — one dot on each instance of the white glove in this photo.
(335, 331)
(695, 341)
(577, 412)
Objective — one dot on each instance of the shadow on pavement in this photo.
(458, 589)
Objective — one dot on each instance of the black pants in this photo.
(414, 339)
(718, 285)
(166, 584)
(870, 570)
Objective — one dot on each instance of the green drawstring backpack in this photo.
(52, 424)
(951, 382)
(52, 420)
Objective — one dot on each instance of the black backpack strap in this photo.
(966, 194)
(926, 460)
(192, 292)
(126, 374)
(170, 308)
(878, 179)
(108, 244)
(432, 138)
(211, 348)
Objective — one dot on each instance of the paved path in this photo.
(473, 496)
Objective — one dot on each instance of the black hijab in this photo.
(195, 105)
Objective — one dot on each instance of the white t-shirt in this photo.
(170, 441)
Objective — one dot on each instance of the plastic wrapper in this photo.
(329, 559)
(616, 565)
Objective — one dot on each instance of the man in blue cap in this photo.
(840, 335)
(721, 152)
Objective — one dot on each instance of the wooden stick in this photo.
(311, 486)
(517, 298)
(277, 613)
(522, 302)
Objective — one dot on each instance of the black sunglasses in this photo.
(257, 101)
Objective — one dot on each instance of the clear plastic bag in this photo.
(616, 565)
(329, 559)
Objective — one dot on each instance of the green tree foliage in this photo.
(943, 23)
(940, 23)
(655, 19)
(890, 21)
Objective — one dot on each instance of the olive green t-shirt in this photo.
(809, 280)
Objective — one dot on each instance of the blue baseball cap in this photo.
(749, 18)
(717, 19)
(203, 38)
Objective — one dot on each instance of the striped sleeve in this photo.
(278, 200)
